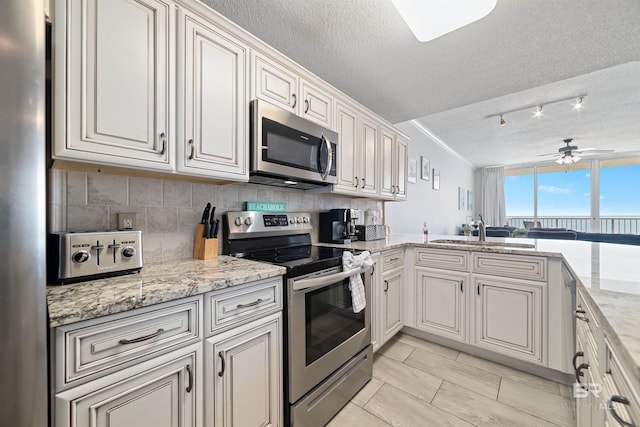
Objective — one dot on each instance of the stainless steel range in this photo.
(327, 347)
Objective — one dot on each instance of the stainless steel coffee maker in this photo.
(338, 226)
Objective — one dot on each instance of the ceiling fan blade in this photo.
(550, 154)
(593, 151)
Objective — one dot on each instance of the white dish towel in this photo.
(350, 262)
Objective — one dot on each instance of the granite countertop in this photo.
(606, 272)
(155, 284)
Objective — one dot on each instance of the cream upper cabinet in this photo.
(274, 83)
(114, 82)
(213, 102)
(368, 154)
(284, 87)
(394, 166)
(359, 151)
(316, 105)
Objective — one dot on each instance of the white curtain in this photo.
(492, 197)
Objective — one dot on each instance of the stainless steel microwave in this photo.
(289, 151)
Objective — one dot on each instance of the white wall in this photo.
(438, 207)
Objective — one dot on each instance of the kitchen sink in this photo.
(477, 243)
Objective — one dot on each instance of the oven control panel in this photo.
(244, 224)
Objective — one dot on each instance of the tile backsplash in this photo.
(168, 211)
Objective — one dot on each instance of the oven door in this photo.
(324, 332)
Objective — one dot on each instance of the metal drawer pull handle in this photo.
(306, 106)
(221, 355)
(373, 269)
(461, 290)
(190, 386)
(193, 149)
(386, 285)
(478, 287)
(575, 359)
(295, 100)
(357, 182)
(363, 182)
(614, 414)
(251, 304)
(394, 259)
(163, 138)
(577, 315)
(140, 339)
(579, 374)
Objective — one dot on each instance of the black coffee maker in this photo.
(337, 226)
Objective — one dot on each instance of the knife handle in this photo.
(207, 230)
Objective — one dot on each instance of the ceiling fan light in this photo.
(575, 159)
(429, 20)
(560, 161)
(538, 112)
(578, 105)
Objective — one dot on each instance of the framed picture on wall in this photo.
(462, 198)
(469, 200)
(412, 173)
(425, 168)
(436, 179)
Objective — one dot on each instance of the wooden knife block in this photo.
(204, 248)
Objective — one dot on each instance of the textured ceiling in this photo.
(532, 48)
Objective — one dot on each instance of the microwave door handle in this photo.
(330, 157)
(319, 282)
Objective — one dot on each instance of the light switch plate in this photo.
(127, 220)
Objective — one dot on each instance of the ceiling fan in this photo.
(569, 153)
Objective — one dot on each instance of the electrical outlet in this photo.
(127, 221)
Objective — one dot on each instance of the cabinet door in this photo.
(440, 302)
(391, 303)
(347, 128)
(162, 395)
(213, 126)
(243, 375)
(316, 105)
(275, 84)
(400, 162)
(387, 183)
(118, 94)
(509, 317)
(368, 156)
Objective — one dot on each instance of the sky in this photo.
(568, 193)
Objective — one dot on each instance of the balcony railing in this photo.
(617, 225)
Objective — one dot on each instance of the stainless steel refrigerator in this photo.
(23, 344)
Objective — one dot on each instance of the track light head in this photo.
(502, 121)
(578, 105)
(538, 112)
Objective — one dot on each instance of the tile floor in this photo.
(419, 383)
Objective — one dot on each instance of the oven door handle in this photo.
(318, 282)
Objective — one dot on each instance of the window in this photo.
(619, 196)
(560, 196)
(518, 194)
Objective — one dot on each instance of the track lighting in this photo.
(538, 112)
(538, 108)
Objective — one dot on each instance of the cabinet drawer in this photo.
(228, 308)
(88, 349)
(513, 266)
(584, 314)
(392, 259)
(446, 259)
(621, 384)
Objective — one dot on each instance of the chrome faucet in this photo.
(482, 230)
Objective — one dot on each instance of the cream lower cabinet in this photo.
(161, 392)
(390, 295)
(376, 338)
(509, 316)
(243, 385)
(440, 299)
